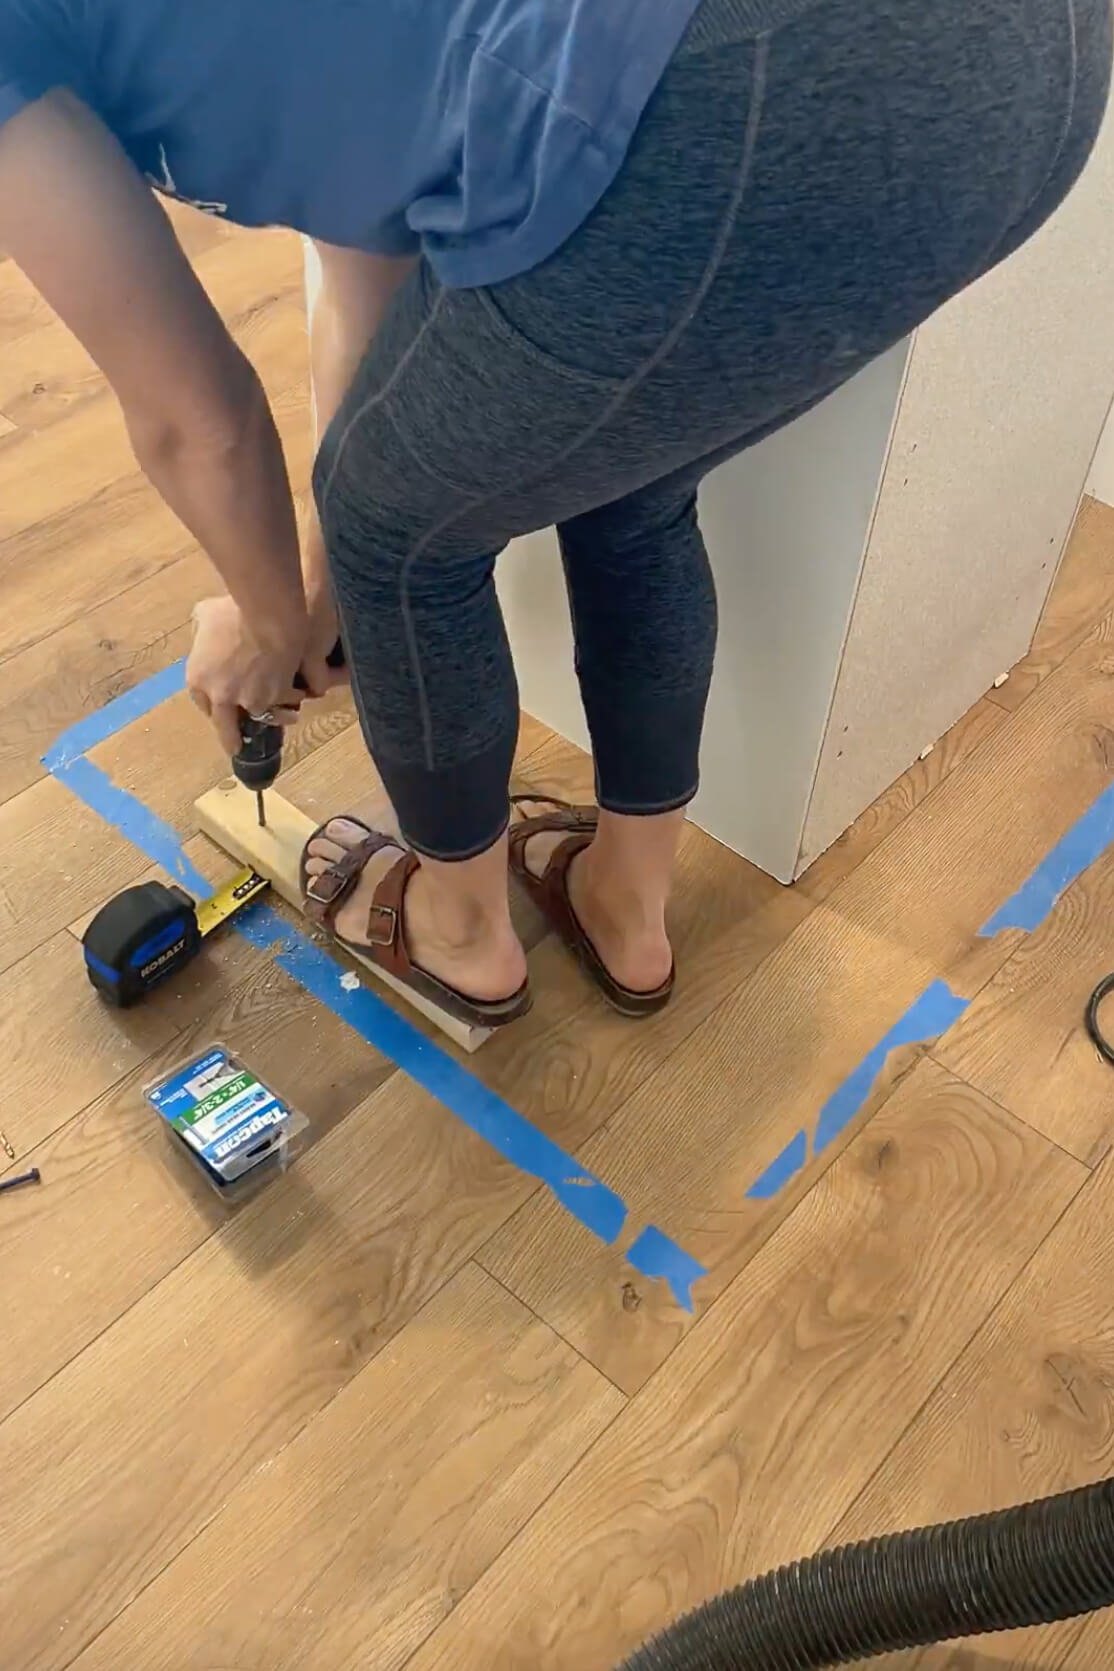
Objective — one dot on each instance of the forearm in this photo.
(230, 487)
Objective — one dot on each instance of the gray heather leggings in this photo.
(811, 180)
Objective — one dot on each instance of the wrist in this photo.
(279, 629)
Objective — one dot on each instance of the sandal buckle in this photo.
(386, 936)
(313, 889)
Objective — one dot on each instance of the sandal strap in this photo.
(541, 800)
(386, 940)
(580, 821)
(550, 892)
(324, 894)
(566, 815)
(553, 884)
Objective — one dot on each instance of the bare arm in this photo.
(82, 224)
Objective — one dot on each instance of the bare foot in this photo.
(630, 939)
(469, 955)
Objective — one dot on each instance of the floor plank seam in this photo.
(87, 1645)
(60, 1369)
(794, 1196)
(539, 1506)
(635, 1089)
(848, 1509)
(32, 1156)
(1011, 1114)
(44, 638)
(293, 1438)
(546, 1323)
(1093, 629)
(233, 322)
(33, 951)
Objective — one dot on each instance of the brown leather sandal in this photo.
(323, 896)
(550, 893)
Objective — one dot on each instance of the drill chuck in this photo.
(259, 761)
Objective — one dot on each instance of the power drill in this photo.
(259, 761)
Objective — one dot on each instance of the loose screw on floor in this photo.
(32, 1177)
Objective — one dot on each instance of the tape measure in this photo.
(149, 932)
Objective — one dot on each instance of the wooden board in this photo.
(228, 816)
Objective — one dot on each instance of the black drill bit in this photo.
(259, 760)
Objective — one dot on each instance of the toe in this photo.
(338, 837)
(345, 832)
(540, 849)
(321, 854)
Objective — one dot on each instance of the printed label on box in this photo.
(219, 1108)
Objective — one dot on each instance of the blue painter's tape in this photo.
(122, 710)
(142, 827)
(779, 1171)
(485, 1113)
(1079, 847)
(656, 1256)
(927, 1018)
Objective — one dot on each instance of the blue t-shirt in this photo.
(482, 131)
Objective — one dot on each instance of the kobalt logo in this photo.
(260, 1123)
(161, 962)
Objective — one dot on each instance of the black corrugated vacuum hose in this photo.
(1030, 1565)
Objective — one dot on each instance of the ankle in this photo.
(605, 888)
(460, 921)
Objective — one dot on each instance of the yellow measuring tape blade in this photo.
(238, 891)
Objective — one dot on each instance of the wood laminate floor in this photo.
(406, 1409)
